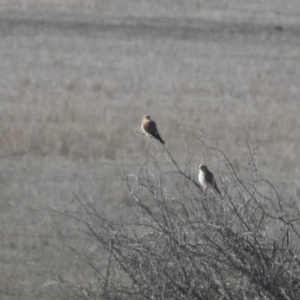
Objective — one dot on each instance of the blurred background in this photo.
(76, 78)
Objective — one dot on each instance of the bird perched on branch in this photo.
(149, 128)
(207, 180)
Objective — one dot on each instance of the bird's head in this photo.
(146, 117)
(203, 168)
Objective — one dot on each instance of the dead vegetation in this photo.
(174, 242)
(76, 77)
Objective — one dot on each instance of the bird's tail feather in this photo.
(216, 188)
(158, 137)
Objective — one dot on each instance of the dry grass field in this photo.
(76, 78)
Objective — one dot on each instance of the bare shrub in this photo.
(174, 242)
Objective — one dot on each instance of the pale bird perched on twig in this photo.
(207, 180)
(149, 128)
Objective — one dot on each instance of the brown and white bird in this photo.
(207, 180)
(149, 128)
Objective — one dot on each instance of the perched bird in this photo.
(149, 128)
(206, 179)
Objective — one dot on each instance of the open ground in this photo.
(76, 78)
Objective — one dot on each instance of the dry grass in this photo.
(73, 90)
(98, 129)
